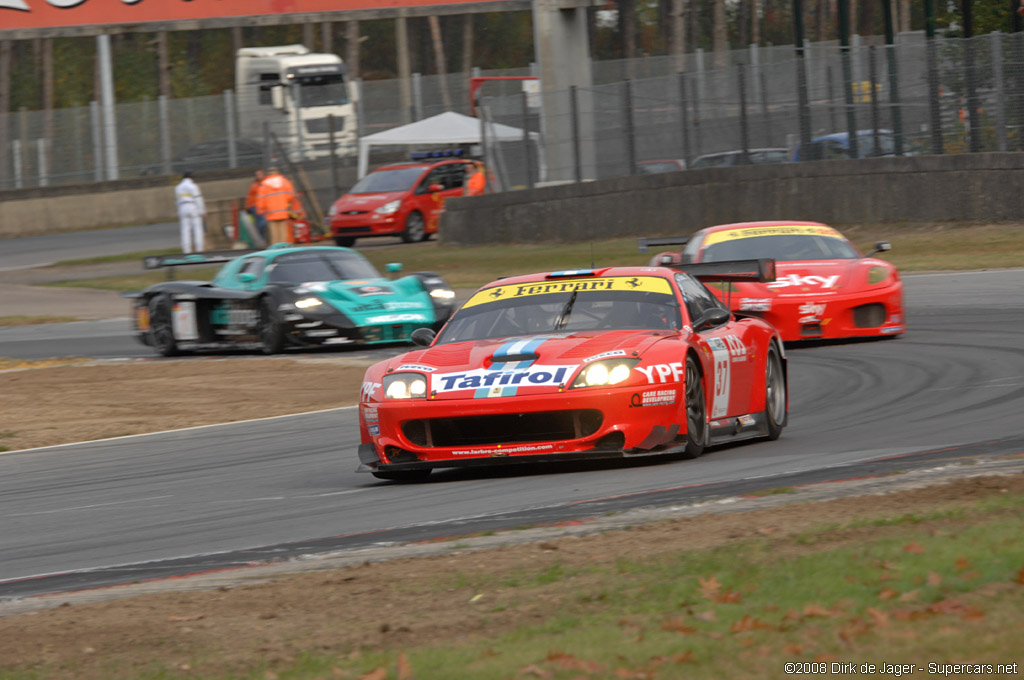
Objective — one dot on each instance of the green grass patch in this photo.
(915, 248)
(24, 320)
(122, 257)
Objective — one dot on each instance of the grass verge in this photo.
(915, 248)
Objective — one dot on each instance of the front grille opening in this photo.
(613, 441)
(869, 316)
(507, 428)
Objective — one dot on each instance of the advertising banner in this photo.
(21, 14)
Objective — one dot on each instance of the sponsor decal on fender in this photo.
(811, 281)
(651, 284)
(812, 312)
(659, 373)
(652, 398)
(470, 380)
(367, 390)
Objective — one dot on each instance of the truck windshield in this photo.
(323, 90)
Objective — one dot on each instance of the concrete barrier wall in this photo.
(957, 188)
(919, 189)
(109, 204)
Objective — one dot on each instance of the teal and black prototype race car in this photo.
(286, 296)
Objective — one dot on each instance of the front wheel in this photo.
(161, 325)
(774, 393)
(403, 475)
(414, 228)
(696, 412)
(271, 329)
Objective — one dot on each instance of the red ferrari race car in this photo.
(613, 362)
(824, 287)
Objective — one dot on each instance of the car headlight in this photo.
(877, 275)
(405, 386)
(442, 294)
(332, 211)
(308, 303)
(603, 373)
(388, 208)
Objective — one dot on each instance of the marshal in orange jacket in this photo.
(275, 197)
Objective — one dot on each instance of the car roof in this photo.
(736, 152)
(423, 164)
(843, 136)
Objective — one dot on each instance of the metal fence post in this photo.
(229, 120)
(894, 81)
(16, 145)
(741, 81)
(628, 119)
(527, 152)
(766, 114)
(574, 113)
(997, 73)
(844, 49)
(334, 155)
(873, 77)
(417, 96)
(684, 118)
(933, 78)
(97, 140)
(44, 171)
(165, 133)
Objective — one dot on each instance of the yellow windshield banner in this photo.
(779, 230)
(646, 284)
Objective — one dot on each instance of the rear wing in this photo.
(643, 243)
(761, 271)
(178, 259)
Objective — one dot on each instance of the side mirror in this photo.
(277, 96)
(434, 188)
(393, 267)
(715, 316)
(246, 277)
(880, 247)
(422, 337)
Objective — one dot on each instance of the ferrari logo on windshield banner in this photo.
(650, 284)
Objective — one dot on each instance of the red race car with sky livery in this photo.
(824, 287)
(612, 362)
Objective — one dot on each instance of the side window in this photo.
(253, 265)
(836, 150)
(697, 298)
(457, 176)
(435, 176)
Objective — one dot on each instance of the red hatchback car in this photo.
(404, 200)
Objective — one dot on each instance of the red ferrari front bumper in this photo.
(812, 317)
(587, 423)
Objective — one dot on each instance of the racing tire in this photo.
(696, 412)
(344, 241)
(161, 325)
(271, 328)
(414, 228)
(774, 393)
(403, 475)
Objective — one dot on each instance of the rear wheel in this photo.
(161, 325)
(271, 329)
(344, 241)
(414, 228)
(696, 412)
(774, 393)
(403, 475)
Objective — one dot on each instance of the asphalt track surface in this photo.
(180, 502)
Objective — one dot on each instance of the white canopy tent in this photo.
(444, 128)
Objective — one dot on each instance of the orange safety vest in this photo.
(477, 182)
(275, 197)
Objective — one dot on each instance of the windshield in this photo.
(383, 181)
(325, 265)
(782, 248)
(323, 90)
(866, 145)
(567, 310)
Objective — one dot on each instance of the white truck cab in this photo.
(295, 91)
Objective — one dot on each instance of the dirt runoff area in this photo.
(266, 617)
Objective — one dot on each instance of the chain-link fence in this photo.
(918, 97)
